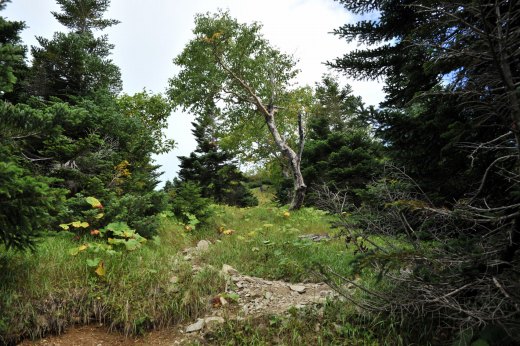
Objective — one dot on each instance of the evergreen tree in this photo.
(339, 151)
(213, 169)
(451, 116)
(76, 64)
(12, 55)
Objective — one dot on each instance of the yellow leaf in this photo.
(100, 270)
(286, 214)
(83, 247)
(228, 232)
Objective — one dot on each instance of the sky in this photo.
(153, 32)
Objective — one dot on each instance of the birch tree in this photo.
(231, 65)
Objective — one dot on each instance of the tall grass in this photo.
(48, 290)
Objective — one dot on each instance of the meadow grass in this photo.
(48, 290)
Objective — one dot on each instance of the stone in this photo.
(268, 295)
(213, 320)
(195, 327)
(297, 288)
(229, 270)
(203, 245)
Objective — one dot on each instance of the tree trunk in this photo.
(294, 161)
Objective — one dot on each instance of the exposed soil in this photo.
(245, 297)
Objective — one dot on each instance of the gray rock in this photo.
(195, 327)
(203, 245)
(213, 320)
(229, 270)
(298, 288)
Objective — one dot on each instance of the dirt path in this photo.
(245, 297)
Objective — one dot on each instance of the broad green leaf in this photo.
(132, 244)
(65, 226)
(93, 262)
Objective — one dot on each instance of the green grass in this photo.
(332, 324)
(49, 290)
(265, 243)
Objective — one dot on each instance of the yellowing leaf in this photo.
(100, 270)
(99, 216)
(94, 202)
(286, 214)
(228, 232)
(83, 247)
(65, 226)
(78, 224)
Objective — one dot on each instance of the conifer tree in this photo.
(213, 169)
(76, 64)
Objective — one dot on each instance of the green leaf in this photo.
(132, 244)
(99, 216)
(93, 262)
(65, 226)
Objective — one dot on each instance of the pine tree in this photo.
(213, 168)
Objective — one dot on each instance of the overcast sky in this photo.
(153, 32)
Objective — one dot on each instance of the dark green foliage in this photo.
(75, 64)
(186, 201)
(12, 55)
(213, 170)
(76, 134)
(451, 118)
(140, 212)
(26, 201)
(339, 151)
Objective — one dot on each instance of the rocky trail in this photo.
(245, 297)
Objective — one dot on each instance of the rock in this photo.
(229, 270)
(203, 245)
(223, 301)
(268, 295)
(195, 327)
(297, 288)
(213, 320)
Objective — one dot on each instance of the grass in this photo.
(48, 290)
(264, 242)
(332, 324)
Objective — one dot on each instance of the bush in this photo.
(26, 203)
(140, 212)
(187, 202)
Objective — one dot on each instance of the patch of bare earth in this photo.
(245, 297)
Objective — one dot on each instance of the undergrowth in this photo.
(48, 290)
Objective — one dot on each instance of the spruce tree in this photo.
(213, 169)
(76, 64)
(339, 151)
